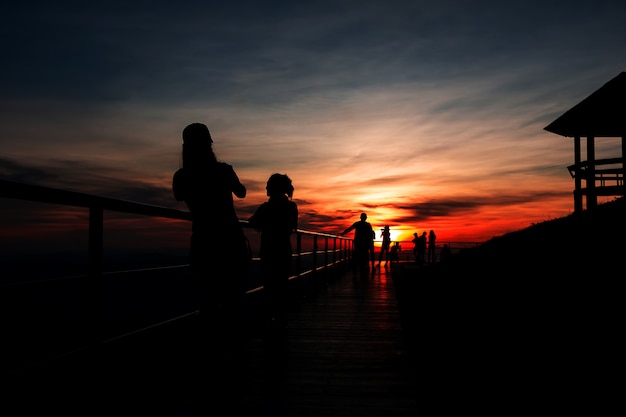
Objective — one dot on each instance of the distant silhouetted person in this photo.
(421, 247)
(415, 247)
(394, 252)
(432, 238)
(363, 245)
(219, 252)
(384, 247)
(276, 220)
(446, 254)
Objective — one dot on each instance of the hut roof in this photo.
(601, 114)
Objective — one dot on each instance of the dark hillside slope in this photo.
(579, 245)
(528, 322)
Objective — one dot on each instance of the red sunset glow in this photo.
(419, 115)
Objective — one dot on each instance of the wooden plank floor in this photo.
(343, 354)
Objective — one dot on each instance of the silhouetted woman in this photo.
(384, 247)
(432, 239)
(219, 252)
(276, 220)
(219, 256)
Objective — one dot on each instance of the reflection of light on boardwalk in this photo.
(382, 272)
(345, 353)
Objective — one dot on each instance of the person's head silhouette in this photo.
(279, 185)
(363, 217)
(196, 133)
(197, 145)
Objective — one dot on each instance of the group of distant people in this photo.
(425, 248)
(363, 250)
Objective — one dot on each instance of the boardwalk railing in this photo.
(48, 318)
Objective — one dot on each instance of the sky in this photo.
(423, 114)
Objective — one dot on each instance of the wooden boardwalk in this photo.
(344, 354)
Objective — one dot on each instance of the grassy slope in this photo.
(577, 246)
(530, 321)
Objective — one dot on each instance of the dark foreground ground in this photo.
(528, 323)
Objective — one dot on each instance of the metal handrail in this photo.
(98, 204)
(332, 252)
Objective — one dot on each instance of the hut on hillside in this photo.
(600, 115)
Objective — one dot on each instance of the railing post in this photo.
(326, 271)
(325, 252)
(95, 273)
(299, 252)
(298, 284)
(314, 255)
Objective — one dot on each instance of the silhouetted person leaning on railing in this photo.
(276, 220)
(363, 246)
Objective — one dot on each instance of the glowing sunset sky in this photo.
(424, 114)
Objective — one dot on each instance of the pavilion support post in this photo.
(578, 195)
(592, 196)
(623, 165)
